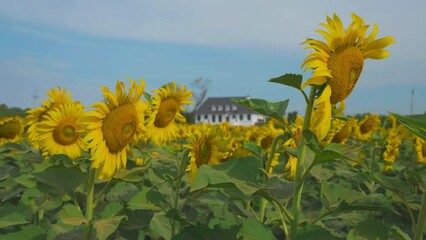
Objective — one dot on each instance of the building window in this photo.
(219, 107)
(234, 116)
(198, 117)
(227, 118)
(213, 108)
(206, 116)
(248, 116)
(241, 117)
(227, 108)
(220, 118)
(234, 107)
(213, 118)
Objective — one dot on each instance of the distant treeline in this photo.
(13, 111)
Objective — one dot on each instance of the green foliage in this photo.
(289, 79)
(274, 110)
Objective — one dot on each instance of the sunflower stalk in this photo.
(300, 171)
(271, 154)
(89, 203)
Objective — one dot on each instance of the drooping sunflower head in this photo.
(339, 60)
(167, 108)
(203, 149)
(61, 131)
(11, 129)
(56, 97)
(114, 125)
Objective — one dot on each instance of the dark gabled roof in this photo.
(206, 106)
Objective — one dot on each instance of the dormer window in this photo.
(219, 107)
(234, 107)
(213, 108)
(227, 108)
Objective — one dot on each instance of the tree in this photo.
(200, 86)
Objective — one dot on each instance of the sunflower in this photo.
(203, 149)
(11, 129)
(393, 140)
(341, 131)
(166, 109)
(366, 127)
(114, 125)
(61, 130)
(421, 150)
(56, 97)
(339, 61)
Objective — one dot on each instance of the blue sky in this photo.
(238, 45)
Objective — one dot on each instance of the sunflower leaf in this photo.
(414, 123)
(274, 110)
(289, 79)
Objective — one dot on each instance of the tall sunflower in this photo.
(166, 109)
(339, 61)
(56, 97)
(114, 125)
(203, 149)
(393, 140)
(11, 129)
(61, 130)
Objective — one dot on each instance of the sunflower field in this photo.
(130, 167)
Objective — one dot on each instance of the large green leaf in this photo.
(110, 210)
(106, 227)
(141, 201)
(71, 215)
(121, 191)
(415, 123)
(10, 216)
(160, 224)
(60, 180)
(274, 110)
(29, 232)
(252, 229)
(289, 79)
(133, 175)
(313, 232)
(203, 232)
(369, 229)
(237, 173)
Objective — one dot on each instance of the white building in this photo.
(222, 109)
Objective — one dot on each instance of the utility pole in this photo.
(35, 96)
(412, 101)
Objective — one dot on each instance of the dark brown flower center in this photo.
(119, 126)
(65, 133)
(166, 112)
(10, 130)
(367, 126)
(346, 66)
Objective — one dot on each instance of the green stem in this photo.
(422, 219)
(282, 221)
(298, 181)
(89, 203)
(263, 202)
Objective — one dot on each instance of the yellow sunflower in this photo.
(56, 96)
(366, 127)
(393, 140)
(114, 125)
(341, 131)
(421, 150)
(11, 129)
(61, 131)
(339, 61)
(203, 146)
(166, 109)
